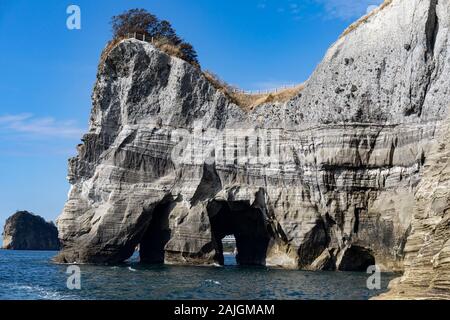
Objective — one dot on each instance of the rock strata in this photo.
(427, 251)
(325, 181)
(26, 231)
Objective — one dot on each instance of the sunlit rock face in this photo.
(427, 251)
(323, 181)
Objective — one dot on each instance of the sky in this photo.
(47, 71)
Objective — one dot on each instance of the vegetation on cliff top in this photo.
(249, 101)
(161, 32)
(163, 36)
(365, 19)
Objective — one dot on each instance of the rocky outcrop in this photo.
(323, 181)
(427, 261)
(26, 231)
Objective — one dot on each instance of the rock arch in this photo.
(248, 225)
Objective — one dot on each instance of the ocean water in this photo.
(30, 275)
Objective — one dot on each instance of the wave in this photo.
(27, 292)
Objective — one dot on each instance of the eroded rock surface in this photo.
(26, 231)
(427, 261)
(169, 163)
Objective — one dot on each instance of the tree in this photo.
(142, 22)
(134, 20)
(188, 53)
(164, 30)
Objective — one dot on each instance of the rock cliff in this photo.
(26, 231)
(427, 251)
(325, 181)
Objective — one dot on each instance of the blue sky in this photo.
(48, 72)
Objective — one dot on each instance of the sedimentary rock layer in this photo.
(427, 261)
(324, 181)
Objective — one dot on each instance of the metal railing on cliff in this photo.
(140, 37)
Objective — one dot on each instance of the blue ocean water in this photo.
(29, 275)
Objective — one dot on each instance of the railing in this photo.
(229, 240)
(140, 37)
(265, 91)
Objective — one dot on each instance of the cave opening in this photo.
(356, 258)
(156, 236)
(246, 224)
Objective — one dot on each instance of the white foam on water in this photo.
(40, 293)
(212, 281)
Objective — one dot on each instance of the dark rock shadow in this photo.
(246, 224)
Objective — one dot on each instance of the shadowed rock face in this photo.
(247, 224)
(169, 163)
(355, 258)
(151, 247)
(26, 231)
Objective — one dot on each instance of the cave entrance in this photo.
(248, 226)
(356, 258)
(155, 238)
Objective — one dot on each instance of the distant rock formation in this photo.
(26, 231)
(325, 181)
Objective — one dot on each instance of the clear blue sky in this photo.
(47, 72)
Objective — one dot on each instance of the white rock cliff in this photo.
(323, 181)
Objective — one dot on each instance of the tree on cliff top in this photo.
(142, 22)
(131, 21)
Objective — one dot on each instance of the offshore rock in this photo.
(26, 231)
(170, 164)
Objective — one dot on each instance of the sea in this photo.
(31, 275)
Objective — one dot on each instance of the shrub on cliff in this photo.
(142, 22)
